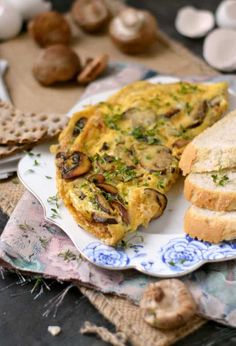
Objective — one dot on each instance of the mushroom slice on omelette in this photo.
(116, 160)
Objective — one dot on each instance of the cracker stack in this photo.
(210, 162)
(21, 130)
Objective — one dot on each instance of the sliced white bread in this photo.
(213, 150)
(212, 226)
(214, 191)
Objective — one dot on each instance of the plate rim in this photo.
(75, 108)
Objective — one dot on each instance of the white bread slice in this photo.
(201, 190)
(214, 149)
(212, 226)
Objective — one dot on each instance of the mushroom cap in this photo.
(133, 30)
(56, 63)
(49, 28)
(90, 15)
(167, 304)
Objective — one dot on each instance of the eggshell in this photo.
(10, 21)
(194, 23)
(219, 49)
(30, 8)
(226, 14)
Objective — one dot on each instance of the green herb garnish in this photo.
(44, 242)
(36, 163)
(53, 200)
(143, 135)
(220, 179)
(29, 171)
(25, 227)
(171, 263)
(186, 88)
(55, 214)
(68, 255)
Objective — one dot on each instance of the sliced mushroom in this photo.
(140, 117)
(60, 158)
(93, 69)
(96, 178)
(108, 188)
(75, 165)
(103, 219)
(215, 101)
(121, 210)
(79, 125)
(167, 304)
(180, 143)
(198, 115)
(157, 201)
(155, 158)
(126, 154)
(102, 204)
(170, 113)
(104, 146)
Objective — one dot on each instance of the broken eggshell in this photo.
(30, 8)
(194, 23)
(10, 21)
(226, 14)
(219, 49)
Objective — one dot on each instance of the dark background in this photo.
(22, 321)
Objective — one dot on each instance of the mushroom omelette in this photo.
(116, 160)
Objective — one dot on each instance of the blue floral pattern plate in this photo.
(161, 250)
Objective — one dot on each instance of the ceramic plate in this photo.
(161, 250)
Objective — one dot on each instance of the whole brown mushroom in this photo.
(56, 63)
(133, 31)
(90, 15)
(167, 304)
(50, 28)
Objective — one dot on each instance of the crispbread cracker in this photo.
(7, 150)
(17, 127)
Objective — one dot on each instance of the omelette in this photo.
(117, 160)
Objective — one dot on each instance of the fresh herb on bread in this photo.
(214, 191)
(212, 150)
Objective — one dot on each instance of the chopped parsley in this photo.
(188, 108)
(36, 163)
(187, 88)
(119, 169)
(68, 255)
(171, 263)
(55, 213)
(109, 197)
(112, 119)
(44, 242)
(148, 136)
(53, 200)
(181, 132)
(25, 227)
(220, 179)
(29, 171)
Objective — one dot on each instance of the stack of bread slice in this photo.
(210, 163)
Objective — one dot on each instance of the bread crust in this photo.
(209, 199)
(212, 229)
(188, 158)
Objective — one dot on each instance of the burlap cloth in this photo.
(168, 57)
